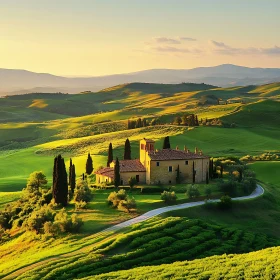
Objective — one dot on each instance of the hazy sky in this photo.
(88, 37)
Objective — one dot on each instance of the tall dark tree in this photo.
(166, 143)
(117, 175)
(127, 150)
(196, 121)
(70, 169)
(89, 165)
(60, 184)
(207, 177)
(144, 122)
(110, 154)
(221, 171)
(178, 177)
(73, 178)
(193, 173)
(211, 169)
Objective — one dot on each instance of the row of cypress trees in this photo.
(127, 152)
(60, 182)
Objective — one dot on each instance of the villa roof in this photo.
(149, 140)
(107, 171)
(132, 165)
(170, 154)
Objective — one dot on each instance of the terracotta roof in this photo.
(170, 154)
(149, 140)
(107, 171)
(131, 165)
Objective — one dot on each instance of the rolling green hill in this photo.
(154, 242)
(36, 127)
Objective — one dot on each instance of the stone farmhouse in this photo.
(159, 166)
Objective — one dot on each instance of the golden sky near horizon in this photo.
(89, 37)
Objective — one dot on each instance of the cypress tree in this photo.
(211, 169)
(166, 143)
(73, 178)
(127, 150)
(117, 175)
(178, 178)
(89, 165)
(196, 121)
(193, 173)
(70, 169)
(110, 154)
(60, 184)
(221, 170)
(207, 177)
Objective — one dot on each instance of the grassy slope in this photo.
(262, 215)
(153, 242)
(262, 264)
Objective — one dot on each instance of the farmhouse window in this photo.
(170, 168)
(187, 162)
(157, 163)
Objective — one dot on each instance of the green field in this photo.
(157, 241)
(262, 264)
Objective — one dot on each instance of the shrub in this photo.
(168, 197)
(193, 192)
(225, 202)
(132, 181)
(82, 192)
(80, 205)
(127, 205)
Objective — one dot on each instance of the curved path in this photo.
(259, 191)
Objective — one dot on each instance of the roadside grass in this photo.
(257, 215)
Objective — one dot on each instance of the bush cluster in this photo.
(168, 197)
(121, 201)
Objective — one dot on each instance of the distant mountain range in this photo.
(226, 75)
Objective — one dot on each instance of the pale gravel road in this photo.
(259, 191)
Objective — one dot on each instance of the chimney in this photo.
(177, 148)
(195, 150)
(200, 152)
(185, 148)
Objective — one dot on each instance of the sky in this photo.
(102, 37)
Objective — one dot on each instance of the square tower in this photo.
(146, 146)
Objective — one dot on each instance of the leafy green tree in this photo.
(89, 165)
(110, 154)
(127, 150)
(178, 120)
(60, 186)
(36, 181)
(117, 175)
(166, 143)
